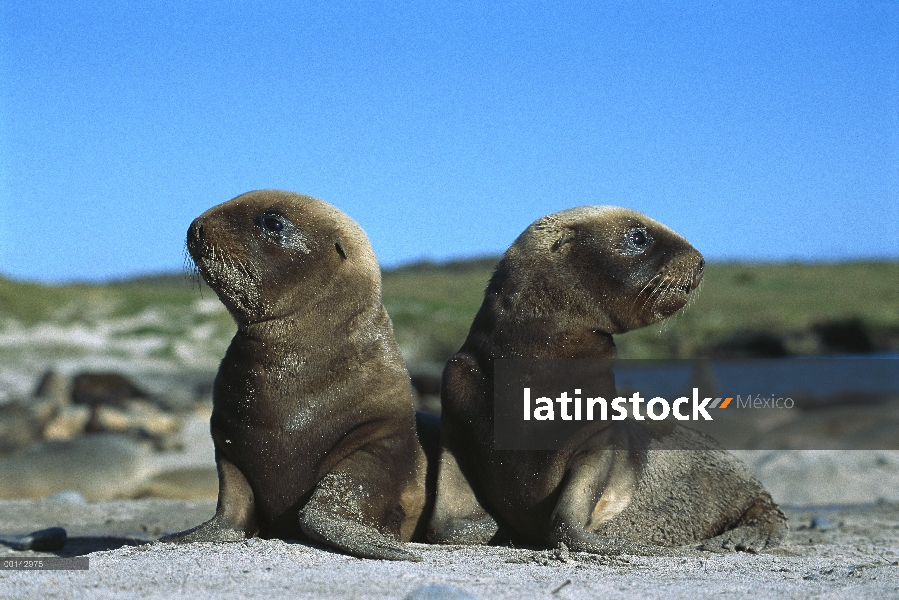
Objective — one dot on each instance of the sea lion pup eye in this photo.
(278, 229)
(567, 283)
(638, 239)
(273, 223)
(312, 419)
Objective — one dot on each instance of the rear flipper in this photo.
(338, 515)
(577, 539)
(591, 475)
(358, 539)
(465, 531)
(763, 526)
(458, 517)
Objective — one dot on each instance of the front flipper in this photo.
(339, 514)
(458, 517)
(234, 518)
(590, 476)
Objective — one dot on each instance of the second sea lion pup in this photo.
(312, 417)
(570, 281)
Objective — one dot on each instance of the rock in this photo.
(67, 497)
(109, 389)
(188, 483)
(821, 523)
(53, 391)
(139, 419)
(750, 344)
(98, 466)
(849, 336)
(44, 540)
(19, 427)
(68, 423)
(703, 379)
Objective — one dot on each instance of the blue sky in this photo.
(758, 131)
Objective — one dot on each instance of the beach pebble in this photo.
(439, 592)
(44, 540)
(68, 423)
(821, 523)
(67, 496)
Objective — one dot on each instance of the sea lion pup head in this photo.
(269, 254)
(602, 268)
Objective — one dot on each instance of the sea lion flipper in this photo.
(234, 516)
(594, 489)
(334, 516)
(586, 541)
(745, 538)
(458, 517)
(586, 481)
(763, 526)
(213, 530)
(360, 540)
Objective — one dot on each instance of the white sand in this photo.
(857, 559)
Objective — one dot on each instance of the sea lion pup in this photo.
(570, 281)
(312, 416)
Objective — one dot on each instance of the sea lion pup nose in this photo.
(570, 281)
(312, 419)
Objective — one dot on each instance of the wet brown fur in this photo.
(312, 419)
(570, 281)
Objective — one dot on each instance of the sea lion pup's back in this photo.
(312, 420)
(570, 281)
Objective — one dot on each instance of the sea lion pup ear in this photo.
(341, 249)
(568, 235)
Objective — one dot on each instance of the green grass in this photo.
(432, 306)
(437, 303)
(30, 302)
(773, 298)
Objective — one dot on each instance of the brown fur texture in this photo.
(312, 418)
(569, 282)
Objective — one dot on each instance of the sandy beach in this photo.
(842, 505)
(852, 552)
(843, 510)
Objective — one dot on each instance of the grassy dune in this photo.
(432, 307)
(773, 298)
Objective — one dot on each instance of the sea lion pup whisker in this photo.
(312, 419)
(655, 293)
(658, 292)
(651, 282)
(668, 287)
(693, 296)
(567, 284)
(677, 285)
(191, 271)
